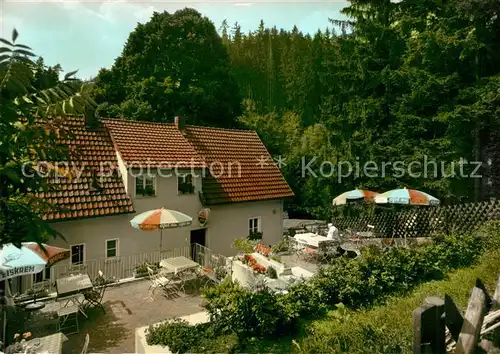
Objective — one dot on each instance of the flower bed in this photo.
(250, 261)
(263, 250)
(267, 262)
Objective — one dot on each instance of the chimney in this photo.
(91, 119)
(179, 123)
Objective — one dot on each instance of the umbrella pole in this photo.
(161, 240)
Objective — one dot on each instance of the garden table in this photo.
(183, 268)
(70, 288)
(49, 344)
(310, 239)
(179, 264)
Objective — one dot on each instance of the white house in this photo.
(123, 167)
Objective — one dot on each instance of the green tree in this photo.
(176, 64)
(31, 129)
(403, 81)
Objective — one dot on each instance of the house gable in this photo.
(242, 169)
(94, 161)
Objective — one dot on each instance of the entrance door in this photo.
(197, 237)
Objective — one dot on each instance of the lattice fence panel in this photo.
(425, 221)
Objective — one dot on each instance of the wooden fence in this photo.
(439, 327)
(423, 221)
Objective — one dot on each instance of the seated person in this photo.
(333, 232)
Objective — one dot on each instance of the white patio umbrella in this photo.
(159, 219)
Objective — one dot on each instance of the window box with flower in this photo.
(251, 262)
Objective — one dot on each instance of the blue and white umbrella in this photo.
(406, 196)
(29, 259)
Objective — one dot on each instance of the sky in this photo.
(88, 35)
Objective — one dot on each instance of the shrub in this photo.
(282, 246)
(271, 272)
(234, 309)
(304, 300)
(143, 267)
(220, 273)
(255, 236)
(360, 283)
(388, 328)
(344, 285)
(244, 245)
(177, 334)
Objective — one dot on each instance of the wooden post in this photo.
(453, 318)
(473, 320)
(496, 297)
(439, 331)
(428, 327)
(480, 285)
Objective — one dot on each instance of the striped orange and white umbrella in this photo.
(356, 194)
(159, 219)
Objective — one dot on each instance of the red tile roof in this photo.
(74, 197)
(152, 144)
(143, 142)
(248, 172)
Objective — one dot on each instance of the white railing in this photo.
(123, 267)
(206, 258)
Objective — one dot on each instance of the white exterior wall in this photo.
(225, 224)
(229, 222)
(94, 232)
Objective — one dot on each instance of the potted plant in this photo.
(271, 273)
(141, 270)
(252, 263)
(149, 191)
(220, 273)
(255, 235)
(140, 190)
(243, 246)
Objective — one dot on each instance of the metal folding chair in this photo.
(95, 296)
(305, 253)
(86, 344)
(159, 280)
(185, 277)
(68, 318)
(207, 277)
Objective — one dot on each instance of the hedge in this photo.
(346, 283)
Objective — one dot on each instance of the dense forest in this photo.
(398, 82)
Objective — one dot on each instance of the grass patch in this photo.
(382, 329)
(388, 328)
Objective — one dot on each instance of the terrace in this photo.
(127, 307)
(128, 303)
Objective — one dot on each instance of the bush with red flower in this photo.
(263, 250)
(252, 263)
